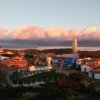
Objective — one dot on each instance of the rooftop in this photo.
(16, 61)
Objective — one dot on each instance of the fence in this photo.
(32, 84)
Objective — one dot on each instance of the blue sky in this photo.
(50, 13)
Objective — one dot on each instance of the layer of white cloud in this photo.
(37, 33)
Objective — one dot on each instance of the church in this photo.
(69, 60)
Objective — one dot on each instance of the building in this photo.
(85, 68)
(8, 53)
(94, 74)
(9, 66)
(38, 69)
(88, 62)
(3, 58)
(68, 60)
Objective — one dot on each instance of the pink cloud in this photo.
(26, 33)
(37, 33)
(57, 33)
(90, 33)
(2, 33)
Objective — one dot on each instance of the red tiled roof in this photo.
(17, 61)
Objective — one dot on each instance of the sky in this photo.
(43, 21)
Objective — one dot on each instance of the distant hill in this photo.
(57, 51)
(95, 54)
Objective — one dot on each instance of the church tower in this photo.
(74, 44)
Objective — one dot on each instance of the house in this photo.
(85, 61)
(8, 53)
(93, 71)
(3, 58)
(39, 68)
(8, 66)
(69, 60)
(85, 68)
(97, 61)
(88, 61)
(94, 74)
(97, 74)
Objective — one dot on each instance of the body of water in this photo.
(79, 48)
(57, 47)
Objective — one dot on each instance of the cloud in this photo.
(27, 33)
(32, 35)
(55, 32)
(73, 32)
(62, 34)
(37, 33)
(89, 30)
(2, 33)
(91, 33)
(33, 32)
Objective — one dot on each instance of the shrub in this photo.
(77, 76)
(69, 83)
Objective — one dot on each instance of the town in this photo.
(31, 68)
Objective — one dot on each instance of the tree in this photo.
(14, 76)
(29, 56)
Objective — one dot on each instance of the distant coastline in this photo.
(52, 47)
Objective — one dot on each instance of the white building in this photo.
(3, 58)
(39, 68)
(94, 74)
(85, 68)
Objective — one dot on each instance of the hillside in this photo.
(95, 54)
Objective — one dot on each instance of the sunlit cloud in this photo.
(91, 33)
(55, 32)
(27, 33)
(2, 33)
(33, 32)
(34, 35)
(89, 30)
